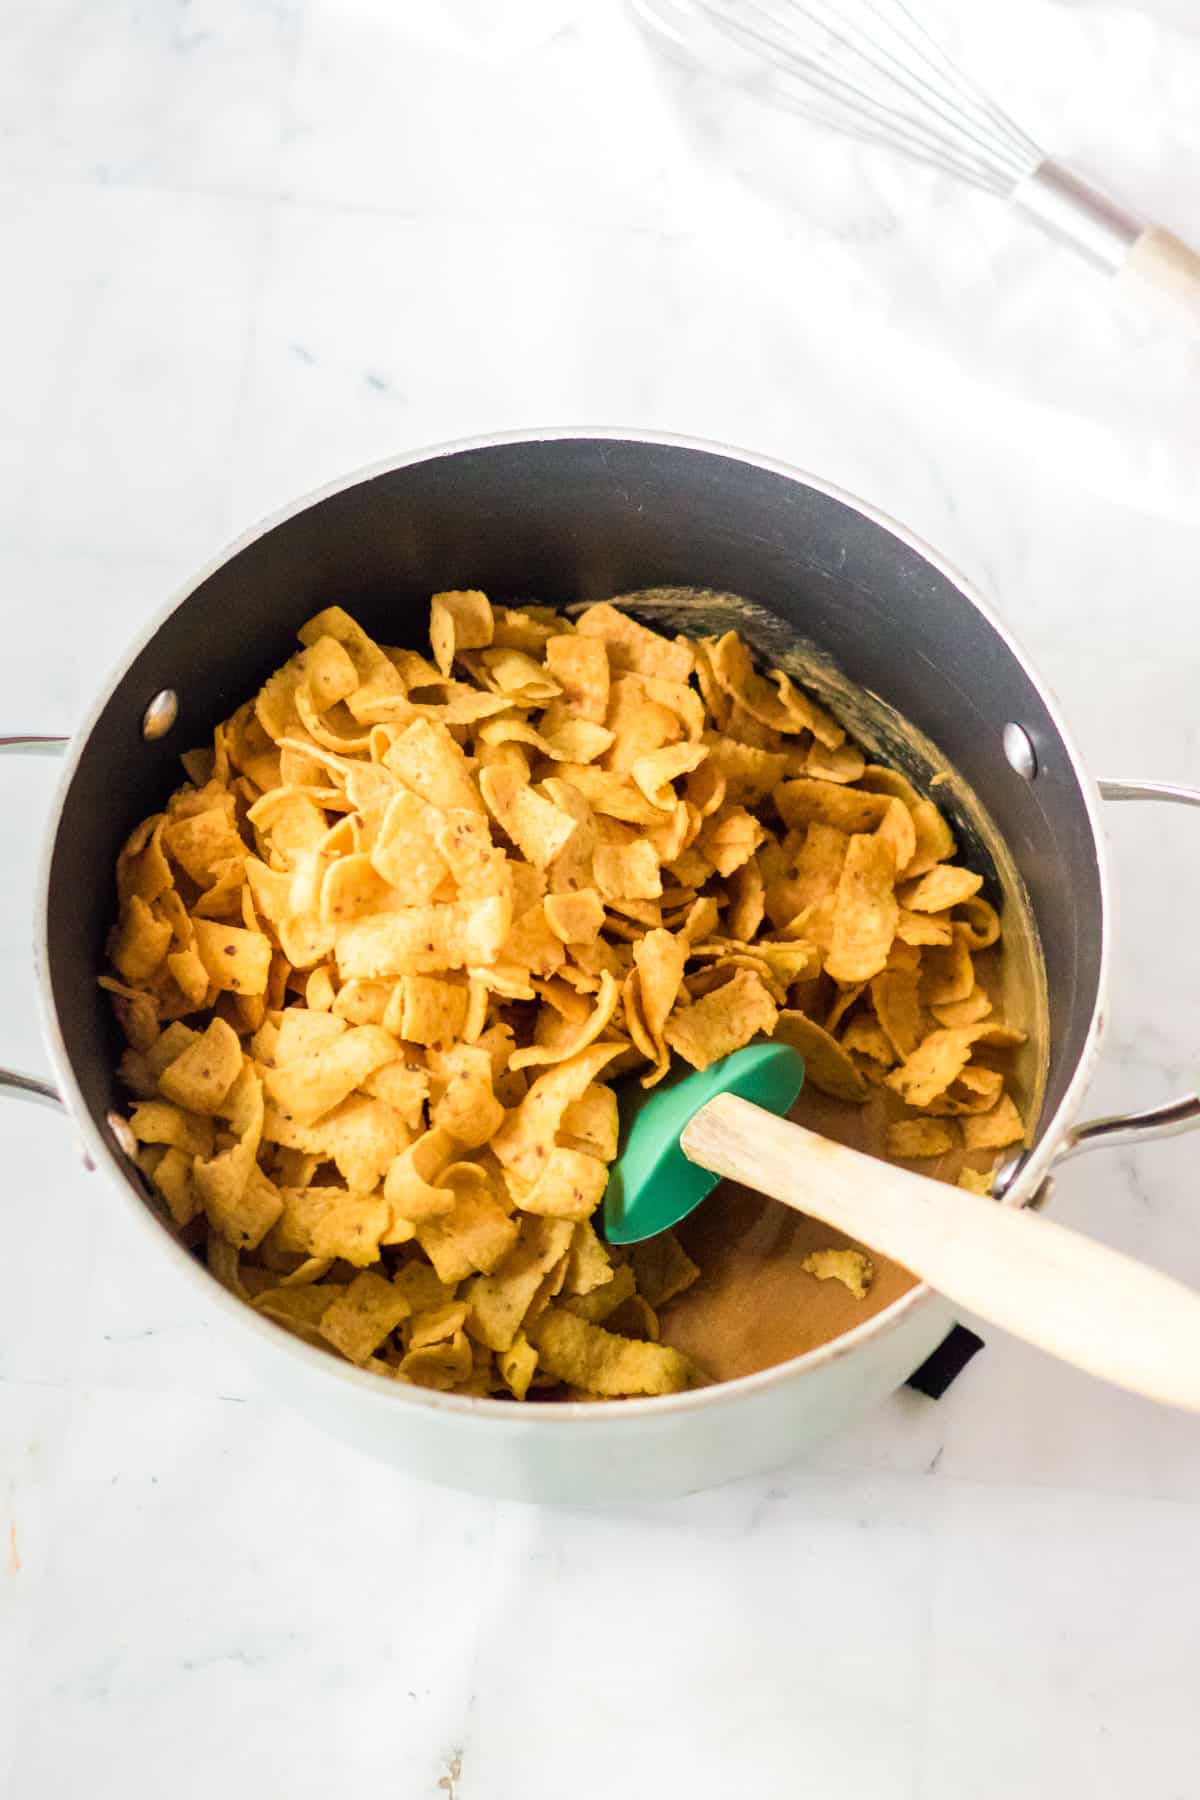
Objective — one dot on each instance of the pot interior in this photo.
(914, 670)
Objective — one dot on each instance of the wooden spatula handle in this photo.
(1081, 1301)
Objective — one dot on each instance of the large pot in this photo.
(564, 517)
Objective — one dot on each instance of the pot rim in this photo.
(484, 1410)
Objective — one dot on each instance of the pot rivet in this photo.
(160, 715)
(120, 1128)
(1018, 748)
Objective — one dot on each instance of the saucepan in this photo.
(868, 615)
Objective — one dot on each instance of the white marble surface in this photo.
(249, 245)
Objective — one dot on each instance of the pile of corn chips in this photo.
(381, 958)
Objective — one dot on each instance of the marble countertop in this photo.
(252, 245)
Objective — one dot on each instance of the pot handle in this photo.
(1123, 1129)
(12, 1083)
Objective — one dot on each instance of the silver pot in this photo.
(828, 584)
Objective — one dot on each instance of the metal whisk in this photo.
(869, 69)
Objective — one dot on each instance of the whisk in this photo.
(869, 69)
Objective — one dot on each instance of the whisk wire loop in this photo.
(870, 69)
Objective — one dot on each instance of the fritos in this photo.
(380, 959)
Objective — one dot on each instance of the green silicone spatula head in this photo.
(652, 1185)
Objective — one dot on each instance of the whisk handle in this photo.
(1078, 214)
(1148, 261)
(1162, 267)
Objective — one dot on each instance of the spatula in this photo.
(1076, 1298)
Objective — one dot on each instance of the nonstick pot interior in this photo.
(559, 520)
